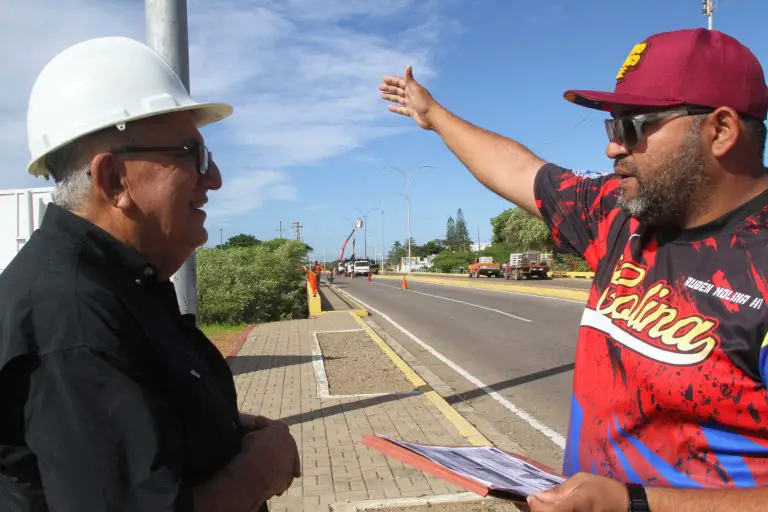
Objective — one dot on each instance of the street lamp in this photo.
(408, 199)
(364, 216)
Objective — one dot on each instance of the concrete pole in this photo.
(381, 269)
(408, 199)
(166, 33)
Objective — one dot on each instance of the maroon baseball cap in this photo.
(686, 67)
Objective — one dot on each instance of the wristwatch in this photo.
(638, 501)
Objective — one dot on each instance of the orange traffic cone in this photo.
(404, 284)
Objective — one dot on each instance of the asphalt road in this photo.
(579, 284)
(521, 346)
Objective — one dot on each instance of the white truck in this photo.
(361, 268)
(21, 211)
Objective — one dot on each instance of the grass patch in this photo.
(211, 330)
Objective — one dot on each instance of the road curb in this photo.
(465, 428)
(243, 338)
(564, 293)
(358, 506)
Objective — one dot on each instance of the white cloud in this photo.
(301, 74)
(248, 191)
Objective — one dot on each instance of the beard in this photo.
(669, 193)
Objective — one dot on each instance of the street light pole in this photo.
(709, 9)
(167, 34)
(381, 205)
(364, 216)
(408, 199)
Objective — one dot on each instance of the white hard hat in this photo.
(101, 83)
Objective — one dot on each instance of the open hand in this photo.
(409, 98)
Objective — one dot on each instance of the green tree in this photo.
(241, 240)
(432, 247)
(499, 225)
(276, 243)
(450, 233)
(462, 233)
(500, 251)
(524, 232)
(396, 252)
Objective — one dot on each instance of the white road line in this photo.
(548, 432)
(510, 315)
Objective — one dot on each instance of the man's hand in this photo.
(266, 466)
(274, 449)
(249, 422)
(410, 98)
(583, 493)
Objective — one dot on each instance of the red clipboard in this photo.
(406, 456)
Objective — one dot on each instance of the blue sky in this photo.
(310, 138)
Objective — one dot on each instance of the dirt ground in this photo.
(355, 365)
(226, 341)
(486, 505)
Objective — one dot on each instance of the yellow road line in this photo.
(465, 428)
(564, 293)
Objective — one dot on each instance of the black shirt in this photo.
(110, 398)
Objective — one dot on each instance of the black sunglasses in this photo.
(200, 151)
(629, 130)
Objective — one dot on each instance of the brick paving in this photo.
(275, 377)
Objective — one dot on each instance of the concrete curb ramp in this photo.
(549, 291)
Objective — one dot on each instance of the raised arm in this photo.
(501, 164)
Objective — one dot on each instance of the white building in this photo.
(21, 211)
(479, 246)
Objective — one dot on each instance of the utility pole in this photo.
(221, 236)
(709, 10)
(166, 33)
(281, 230)
(297, 227)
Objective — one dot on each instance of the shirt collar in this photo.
(98, 242)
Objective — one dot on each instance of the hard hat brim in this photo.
(204, 114)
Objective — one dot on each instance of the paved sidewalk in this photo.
(276, 375)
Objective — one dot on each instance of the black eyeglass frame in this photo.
(199, 150)
(618, 128)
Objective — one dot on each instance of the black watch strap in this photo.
(638, 501)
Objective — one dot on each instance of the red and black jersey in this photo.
(672, 355)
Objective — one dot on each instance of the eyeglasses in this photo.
(629, 130)
(200, 151)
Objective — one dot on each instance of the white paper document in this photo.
(488, 466)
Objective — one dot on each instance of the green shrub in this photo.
(565, 263)
(448, 261)
(251, 284)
